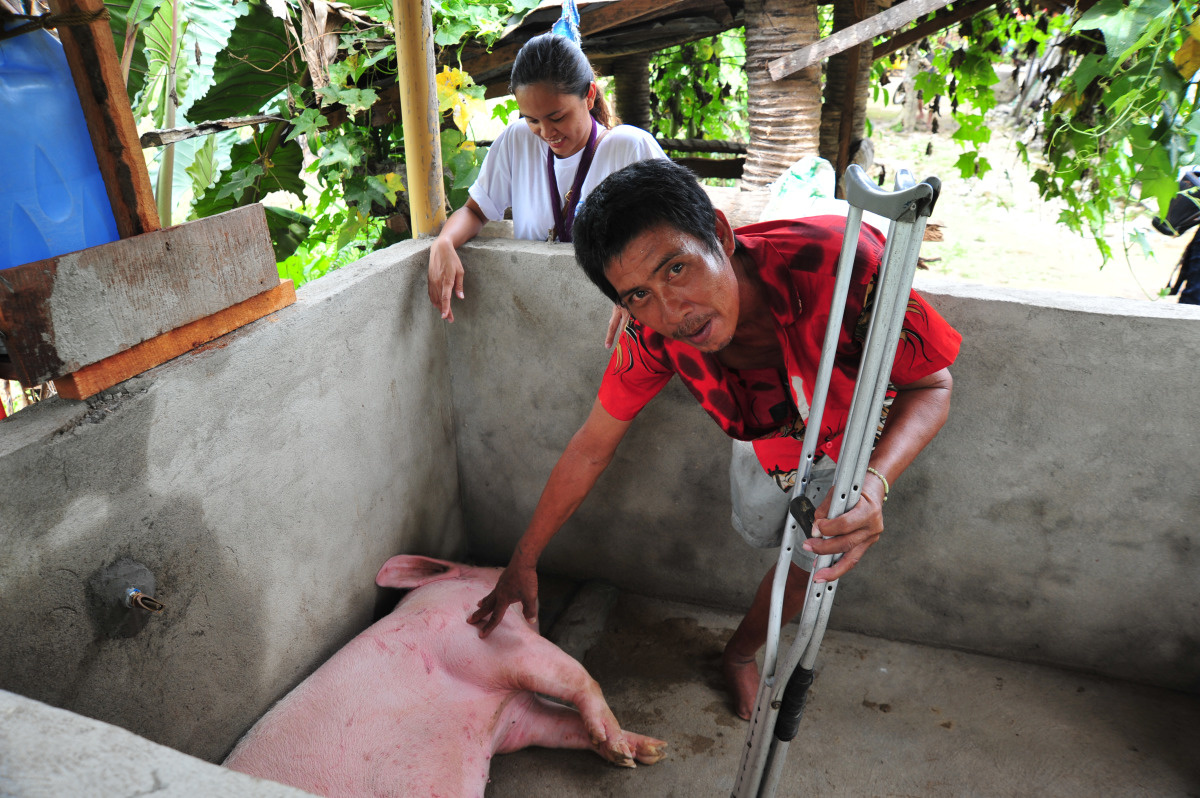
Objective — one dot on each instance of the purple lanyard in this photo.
(564, 212)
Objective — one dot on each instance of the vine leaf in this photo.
(1126, 27)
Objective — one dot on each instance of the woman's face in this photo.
(563, 121)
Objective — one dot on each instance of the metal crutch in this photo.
(783, 687)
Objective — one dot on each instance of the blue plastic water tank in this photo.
(52, 197)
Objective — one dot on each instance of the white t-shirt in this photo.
(513, 174)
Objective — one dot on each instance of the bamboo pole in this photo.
(419, 115)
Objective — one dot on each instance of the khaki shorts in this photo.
(760, 508)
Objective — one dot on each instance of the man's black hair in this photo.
(627, 203)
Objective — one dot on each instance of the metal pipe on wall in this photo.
(419, 115)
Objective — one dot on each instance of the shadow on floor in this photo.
(883, 719)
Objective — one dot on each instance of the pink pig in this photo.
(417, 704)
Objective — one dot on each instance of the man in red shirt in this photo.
(740, 317)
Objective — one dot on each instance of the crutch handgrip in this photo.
(860, 192)
(791, 706)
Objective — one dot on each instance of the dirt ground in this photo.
(998, 231)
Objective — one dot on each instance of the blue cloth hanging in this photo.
(568, 23)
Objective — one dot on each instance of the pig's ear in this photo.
(411, 570)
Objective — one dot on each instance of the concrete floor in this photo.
(883, 719)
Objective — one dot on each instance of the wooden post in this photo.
(419, 115)
(92, 57)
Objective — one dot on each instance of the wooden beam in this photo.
(174, 135)
(591, 23)
(66, 312)
(725, 168)
(941, 20)
(704, 145)
(91, 380)
(883, 22)
(92, 57)
(625, 12)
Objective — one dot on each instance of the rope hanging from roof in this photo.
(47, 21)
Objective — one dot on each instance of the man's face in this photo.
(676, 286)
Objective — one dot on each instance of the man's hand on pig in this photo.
(517, 584)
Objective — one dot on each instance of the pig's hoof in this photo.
(647, 749)
(620, 753)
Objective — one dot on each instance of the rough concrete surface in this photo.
(51, 753)
(262, 480)
(883, 719)
(1052, 520)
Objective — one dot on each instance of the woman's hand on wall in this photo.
(445, 276)
(445, 267)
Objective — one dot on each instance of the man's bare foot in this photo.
(741, 677)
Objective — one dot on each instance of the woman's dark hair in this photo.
(558, 61)
(627, 203)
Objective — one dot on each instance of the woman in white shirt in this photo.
(564, 130)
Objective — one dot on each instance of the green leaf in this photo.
(209, 25)
(288, 229)
(308, 122)
(449, 35)
(122, 15)
(352, 228)
(281, 172)
(354, 99)
(203, 169)
(1126, 27)
(257, 64)
(1138, 237)
(241, 180)
(1090, 67)
(341, 151)
(160, 39)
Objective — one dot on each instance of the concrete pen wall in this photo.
(265, 478)
(263, 481)
(1053, 519)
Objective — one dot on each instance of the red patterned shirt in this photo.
(797, 262)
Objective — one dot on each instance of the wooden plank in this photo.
(92, 57)
(65, 312)
(883, 22)
(942, 20)
(90, 380)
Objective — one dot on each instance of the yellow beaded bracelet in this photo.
(883, 479)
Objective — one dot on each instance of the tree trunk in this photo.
(632, 76)
(846, 14)
(785, 115)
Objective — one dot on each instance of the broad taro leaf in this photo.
(257, 64)
(280, 172)
(203, 169)
(121, 15)
(210, 22)
(158, 57)
(288, 230)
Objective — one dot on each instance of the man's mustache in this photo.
(690, 327)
